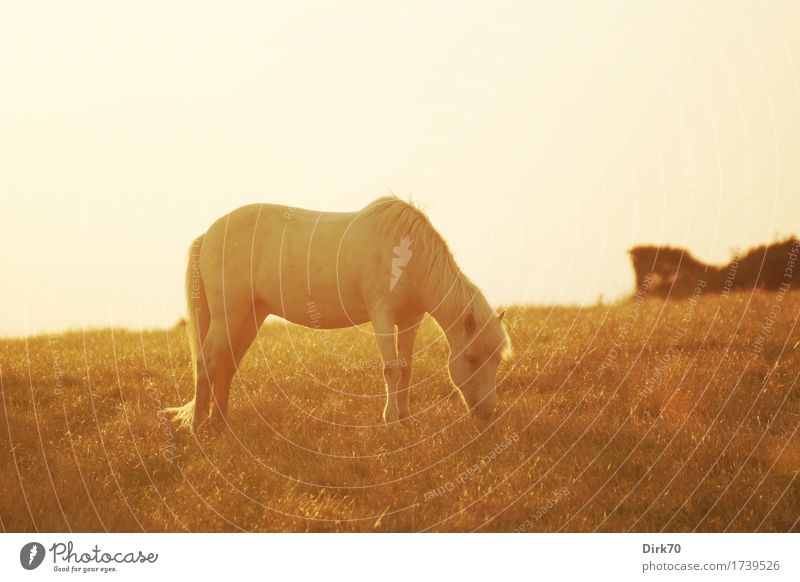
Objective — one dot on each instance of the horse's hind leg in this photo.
(210, 361)
(184, 415)
(229, 365)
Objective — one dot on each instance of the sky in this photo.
(543, 139)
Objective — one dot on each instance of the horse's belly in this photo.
(313, 312)
(308, 272)
(323, 303)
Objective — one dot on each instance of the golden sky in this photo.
(543, 138)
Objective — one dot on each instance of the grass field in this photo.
(640, 416)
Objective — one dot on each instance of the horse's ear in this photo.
(469, 323)
(501, 315)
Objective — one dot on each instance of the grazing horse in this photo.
(384, 263)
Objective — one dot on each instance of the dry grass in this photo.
(700, 437)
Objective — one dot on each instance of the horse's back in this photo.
(311, 267)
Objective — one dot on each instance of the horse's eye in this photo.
(471, 359)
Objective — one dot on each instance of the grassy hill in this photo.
(640, 416)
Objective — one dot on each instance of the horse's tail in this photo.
(198, 319)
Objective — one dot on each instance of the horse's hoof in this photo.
(215, 424)
(409, 420)
(199, 426)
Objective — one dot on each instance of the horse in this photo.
(384, 263)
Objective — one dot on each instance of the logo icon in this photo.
(402, 254)
(31, 555)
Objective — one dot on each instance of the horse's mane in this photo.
(449, 286)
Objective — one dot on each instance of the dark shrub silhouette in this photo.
(675, 273)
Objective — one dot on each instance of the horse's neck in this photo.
(448, 304)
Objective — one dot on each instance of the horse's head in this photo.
(476, 347)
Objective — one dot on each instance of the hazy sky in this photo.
(543, 138)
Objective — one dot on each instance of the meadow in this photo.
(637, 416)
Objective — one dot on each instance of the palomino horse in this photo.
(384, 263)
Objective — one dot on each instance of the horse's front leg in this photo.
(406, 335)
(383, 325)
